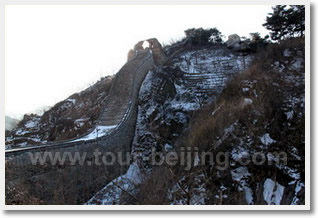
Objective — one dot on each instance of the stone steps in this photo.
(117, 104)
(118, 101)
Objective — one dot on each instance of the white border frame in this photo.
(162, 207)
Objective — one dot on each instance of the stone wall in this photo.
(157, 51)
(75, 183)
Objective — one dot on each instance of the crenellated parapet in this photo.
(159, 56)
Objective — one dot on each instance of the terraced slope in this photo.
(206, 71)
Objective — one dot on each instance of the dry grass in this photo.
(207, 126)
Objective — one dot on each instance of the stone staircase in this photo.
(118, 102)
(120, 109)
(121, 93)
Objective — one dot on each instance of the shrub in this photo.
(202, 36)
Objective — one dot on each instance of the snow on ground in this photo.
(72, 100)
(245, 89)
(205, 73)
(299, 62)
(212, 60)
(241, 175)
(293, 173)
(168, 147)
(80, 122)
(299, 186)
(180, 89)
(111, 193)
(247, 101)
(273, 192)
(239, 153)
(279, 67)
(134, 174)
(32, 123)
(98, 132)
(289, 114)
(266, 139)
(294, 152)
(208, 58)
(21, 132)
(186, 106)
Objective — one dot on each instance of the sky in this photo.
(52, 52)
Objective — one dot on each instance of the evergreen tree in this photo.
(296, 19)
(286, 21)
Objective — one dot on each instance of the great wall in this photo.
(81, 180)
(120, 109)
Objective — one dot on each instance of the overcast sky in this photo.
(53, 51)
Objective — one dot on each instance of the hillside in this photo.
(10, 123)
(201, 118)
(231, 114)
(68, 119)
(239, 117)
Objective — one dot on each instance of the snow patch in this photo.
(289, 115)
(186, 106)
(247, 101)
(266, 139)
(72, 100)
(297, 64)
(180, 89)
(245, 89)
(239, 153)
(111, 193)
(98, 132)
(34, 122)
(168, 147)
(21, 132)
(298, 187)
(134, 174)
(273, 192)
(241, 175)
(31, 124)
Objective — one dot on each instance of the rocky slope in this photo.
(239, 116)
(257, 124)
(251, 122)
(167, 100)
(70, 118)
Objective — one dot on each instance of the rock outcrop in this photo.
(235, 43)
